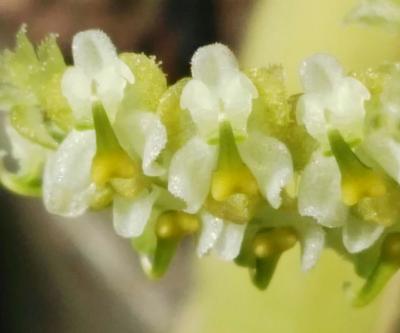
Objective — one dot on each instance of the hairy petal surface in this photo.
(211, 229)
(229, 241)
(130, 216)
(76, 87)
(190, 173)
(203, 107)
(212, 64)
(97, 73)
(359, 235)
(320, 73)
(67, 186)
(270, 162)
(237, 96)
(320, 194)
(142, 133)
(218, 92)
(331, 100)
(312, 238)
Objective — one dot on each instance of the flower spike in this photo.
(224, 157)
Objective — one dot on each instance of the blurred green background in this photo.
(77, 276)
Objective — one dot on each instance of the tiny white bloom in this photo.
(320, 194)
(68, 187)
(331, 100)
(97, 73)
(319, 197)
(219, 92)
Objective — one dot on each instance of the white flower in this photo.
(320, 197)
(68, 187)
(377, 12)
(218, 93)
(97, 74)
(331, 100)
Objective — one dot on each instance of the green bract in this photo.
(224, 157)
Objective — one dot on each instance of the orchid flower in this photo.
(223, 158)
(100, 164)
(332, 110)
(97, 74)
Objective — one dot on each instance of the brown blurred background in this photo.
(61, 275)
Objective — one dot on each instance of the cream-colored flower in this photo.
(97, 75)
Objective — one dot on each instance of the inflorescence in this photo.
(225, 156)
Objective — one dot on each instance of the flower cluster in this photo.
(224, 157)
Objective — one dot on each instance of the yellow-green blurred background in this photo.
(76, 276)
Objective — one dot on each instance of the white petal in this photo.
(319, 73)
(347, 111)
(359, 235)
(210, 231)
(110, 89)
(312, 238)
(213, 63)
(92, 51)
(320, 194)
(331, 100)
(190, 173)
(230, 240)
(203, 107)
(76, 87)
(130, 216)
(310, 112)
(385, 151)
(270, 162)
(142, 133)
(67, 187)
(237, 95)
(125, 71)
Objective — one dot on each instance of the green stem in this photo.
(381, 274)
